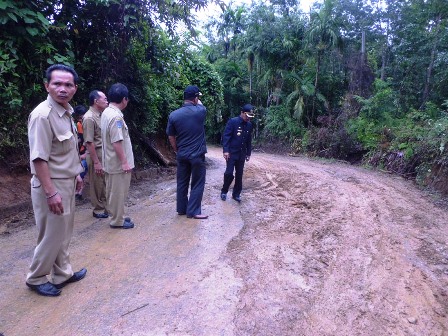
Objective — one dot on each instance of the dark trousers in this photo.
(193, 169)
(232, 164)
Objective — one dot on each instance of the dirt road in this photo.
(315, 248)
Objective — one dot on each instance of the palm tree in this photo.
(322, 35)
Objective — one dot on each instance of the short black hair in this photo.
(61, 67)
(117, 92)
(92, 96)
(79, 110)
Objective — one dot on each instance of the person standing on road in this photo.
(92, 137)
(55, 165)
(186, 134)
(237, 147)
(118, 158)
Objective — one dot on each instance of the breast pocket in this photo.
(65, 143)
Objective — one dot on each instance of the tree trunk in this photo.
(431, 65)
(154, 153)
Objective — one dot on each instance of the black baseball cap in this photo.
(192, 91)
(248, 109)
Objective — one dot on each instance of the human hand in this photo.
(55, 204)
(79, 183)
(98, 167)
(226, 156)
(126, 168)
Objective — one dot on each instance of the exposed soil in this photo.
(315, 248)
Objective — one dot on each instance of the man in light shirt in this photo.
(93, 142)
(118, 158)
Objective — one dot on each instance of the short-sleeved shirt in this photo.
(114, 129)
(52, 137)
(91, 123)
(187, 124)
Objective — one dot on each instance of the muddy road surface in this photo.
(315, 248)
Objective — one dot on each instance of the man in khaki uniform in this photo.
(55, 166)
(92, 137)
(118, 158)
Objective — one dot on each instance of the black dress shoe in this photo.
(237, 198)
(100, 215)
(46, 289)
(75, 277)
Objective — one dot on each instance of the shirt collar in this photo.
(116, 109)
(58, 107)
(189, 104)
(95, 112)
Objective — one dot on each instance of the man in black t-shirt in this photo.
(186, 134)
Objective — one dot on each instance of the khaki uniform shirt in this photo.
(53, 138)
(91, 124)
(114, 129)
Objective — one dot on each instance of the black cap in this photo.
(248, 109)
(191, 91)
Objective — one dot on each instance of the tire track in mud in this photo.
(331, 250)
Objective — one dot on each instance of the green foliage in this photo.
(106, 41)
(366, 132)
(23, 45)
(409, 145)
(203, 74)
(378, 115)
(279, 124)
(157, 93)
(382, 105)
(300, 70)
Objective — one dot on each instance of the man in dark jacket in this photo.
(237, 147)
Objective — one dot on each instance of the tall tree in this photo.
(322, 36)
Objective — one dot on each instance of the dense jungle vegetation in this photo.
(357, 80)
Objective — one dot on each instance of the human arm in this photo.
(119, 150)
(227, 135)
(54, 199)
(172, 140)
(98, 167)
(79, 183)
(249, 143)
(171, 132)
(90, 127)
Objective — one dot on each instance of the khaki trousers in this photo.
(97, 185)
(117, 189)
(51, 257)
